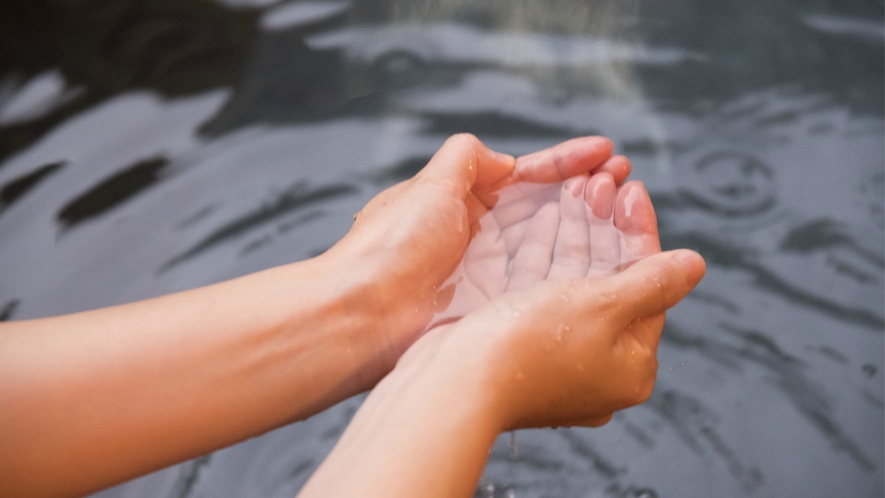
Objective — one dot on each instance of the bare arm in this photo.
(97, 397)
(93, 399)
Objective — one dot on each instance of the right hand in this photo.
(573, 349)
(594, 355)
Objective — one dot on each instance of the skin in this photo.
(95, 398)
(515, 363)
(515, 240)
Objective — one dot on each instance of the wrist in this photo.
(393, 308)
(352, 318)
(453, 369)
(427, 425)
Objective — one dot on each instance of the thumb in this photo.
(464, 162)
(656, 283)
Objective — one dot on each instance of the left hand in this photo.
(573, 349)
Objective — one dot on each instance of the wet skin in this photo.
(431, 218)
(561, 230)
(99, 397)
(559, 346)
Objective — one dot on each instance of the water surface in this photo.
(149, 147)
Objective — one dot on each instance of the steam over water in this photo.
(146, 149)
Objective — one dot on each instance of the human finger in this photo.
(463, 162)
(618, 167)
(593, 421)
(515, 213)
(514, 234)
(568, 159)
(635, 218)
(652, 285)
(571, 253)
(531, 263)
(520, 201)
(605, 241)
(485, 261)
(476, 210)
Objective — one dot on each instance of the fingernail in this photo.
(574, 184)
(686, 256)
(693, 262)
(504, 158)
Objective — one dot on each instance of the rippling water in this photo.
(154, 146)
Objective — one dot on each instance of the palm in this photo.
(574, 229)
(412, 237)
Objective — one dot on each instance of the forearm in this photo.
(425, 430)
(91, 399)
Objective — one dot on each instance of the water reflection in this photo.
(112, 191)
(148, 147)
(292, 199)
(18, 187)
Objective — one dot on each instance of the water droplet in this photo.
(639, 493)
(487, 491)
(559, 333)
(513, 448)
(630, 200)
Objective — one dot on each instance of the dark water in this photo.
(153, 146)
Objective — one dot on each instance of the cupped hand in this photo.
(572, 344)
(561, 230)
(574, 351)
(616, 228)
(411, 237)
